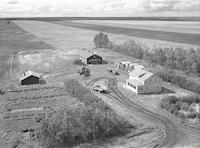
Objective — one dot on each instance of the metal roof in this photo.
(88, 54)
(28, 74)
(135, 82)
(141, 75)
(136, 65)
(125, 62)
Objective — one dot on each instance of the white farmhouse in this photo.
(143, 82)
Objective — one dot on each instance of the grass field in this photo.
(62, 36)
(65, 37)
(12, 40)
(168, 26)
(187, 38)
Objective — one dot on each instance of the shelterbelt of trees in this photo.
(93, 120)
(181, 107)
(178, 58)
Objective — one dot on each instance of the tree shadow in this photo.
(42, 81)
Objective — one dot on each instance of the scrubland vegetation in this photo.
(181, 107)
(93, 120)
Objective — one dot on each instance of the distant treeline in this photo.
(105, 18)
(178, 58)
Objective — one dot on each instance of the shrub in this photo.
(79, 62)
(192, 115)
(16, 143)
(199, 115)
(180, 81)
(174, 105)
(181, 115)
(1, 92)
(70, 126)
(101, 40)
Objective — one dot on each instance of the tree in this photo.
(101, 40)
(1, 92)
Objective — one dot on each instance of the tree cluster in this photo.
(174, 105)
(178, 58)
(101, 40)
(94, 120)
(180, 81)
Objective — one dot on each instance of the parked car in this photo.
(100, 89)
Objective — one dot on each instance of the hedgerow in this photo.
(94, 120)
(180, 81)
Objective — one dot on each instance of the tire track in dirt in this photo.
(171, 133)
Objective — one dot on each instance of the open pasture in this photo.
(12, 40)
(63, 36)
(168, 26)
(156, 35)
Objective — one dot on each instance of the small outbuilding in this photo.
(136, 66)
(91, 58)
(130, 66)
(30, 78)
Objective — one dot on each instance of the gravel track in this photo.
(170, 132)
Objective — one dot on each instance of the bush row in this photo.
(174, 105)
(93, 120)
(180, 81)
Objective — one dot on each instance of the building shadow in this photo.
(42, 81)
(162, 92)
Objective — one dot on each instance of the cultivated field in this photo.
(151, 36)
(75, 35)
(12, 40)
(23, 108)
(168, 26)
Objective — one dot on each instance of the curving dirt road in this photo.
(172, 134)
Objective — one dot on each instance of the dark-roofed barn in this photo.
(91, 58)
(30, 78)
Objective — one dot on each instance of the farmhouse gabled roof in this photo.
(141, 75)
(88, 54)
(135, 82)
(28, 74)
(125, 62)
(136, 65)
